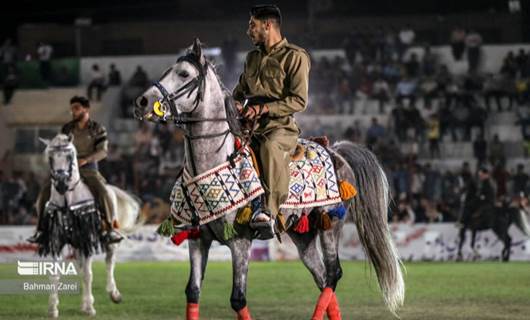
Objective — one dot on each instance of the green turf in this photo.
(155, 290)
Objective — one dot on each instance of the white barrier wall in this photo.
(419, 242)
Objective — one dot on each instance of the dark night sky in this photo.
(23, 11)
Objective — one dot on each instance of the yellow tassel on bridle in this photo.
(347, 190)
(243, 215)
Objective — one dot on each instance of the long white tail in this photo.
(370, 209)
(128, 209)
(521, 221)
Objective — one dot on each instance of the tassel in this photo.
(229, 231)
(280, 222)
(237, 144)
(347, 190)
(325, 221)
(243, 215)
(191, 234)
(303, 224)
(338, 212)
(166, 228)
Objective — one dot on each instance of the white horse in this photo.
(71, 218)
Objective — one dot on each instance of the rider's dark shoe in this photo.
(263, 224)
(34, 238)
(112, 236)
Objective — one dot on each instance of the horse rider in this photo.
(481, 197)
(272, 87)
(90, 141)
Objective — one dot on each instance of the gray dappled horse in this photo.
(71, 218)
(191, 94)
(477, 217)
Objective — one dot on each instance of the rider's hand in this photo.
(239, 106)
(82, 162)
(255, 111)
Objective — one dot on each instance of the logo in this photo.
(46, 268)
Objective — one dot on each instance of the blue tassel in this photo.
(338, 212)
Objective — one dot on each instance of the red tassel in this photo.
(303, 224)
(178, 238)
(237, 143)
(244, 314)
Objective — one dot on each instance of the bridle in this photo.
(185, 120)
(57, 178)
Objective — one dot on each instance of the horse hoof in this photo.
(88, 310)
(54, 314)
(115, 297)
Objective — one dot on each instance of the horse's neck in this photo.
(209, 152)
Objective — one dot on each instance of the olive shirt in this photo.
(90, 142)
(281, 75)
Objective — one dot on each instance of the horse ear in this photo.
(70, 137)
(46, 142)
(197, 50)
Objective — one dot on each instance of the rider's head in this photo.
(265, 21)
(79, 107)
(483, 173)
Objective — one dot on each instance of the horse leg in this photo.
(87, 305)
(462, 239)
(329, 240)
(473, 238)
(53, 300)
(110, 261)
(240, 248)
(308, 251)
(198, 258)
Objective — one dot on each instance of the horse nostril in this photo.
(143, 102)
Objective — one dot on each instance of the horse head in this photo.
(180, 89)
(62, 158)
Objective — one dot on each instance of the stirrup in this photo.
(264, 229)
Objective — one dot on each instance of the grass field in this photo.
(285, 290)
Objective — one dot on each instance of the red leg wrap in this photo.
(334, 309)
(192, 311)
(322, 304)
(243, 314)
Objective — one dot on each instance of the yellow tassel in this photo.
(243, 216)
(280, 221)
(347, 190)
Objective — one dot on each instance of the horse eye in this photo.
(184, 74)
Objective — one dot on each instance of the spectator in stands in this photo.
(351, 47)
(406, 89)
(432, 185)
(473, 46)
(501, 176)
(495, 86)
(97, 82)
(522, 91)
(433, 134)
(429, 90)
(44, 54)
(390, 49)
(458, 42)
(523, 115)
(443, 80)
(381, 92)
(520, 180)
(480, 150)
(406, 39)
(344, 96)
(509, 66)
(496, 149)
(139, 78)
(428, 62)
(375, 133)
(521, 61)
(10, 84)
(403, 212)
(114, 76)
(8, 53)
(354, 132)
(412, 66)
(401, 179)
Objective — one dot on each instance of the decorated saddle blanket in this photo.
(230, 186)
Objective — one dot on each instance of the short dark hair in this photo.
(81, 100)
(266, 12)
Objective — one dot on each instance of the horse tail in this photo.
(370, 211)
(128, 210)
(521, 221)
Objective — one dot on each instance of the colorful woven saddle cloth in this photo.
(231, 185)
